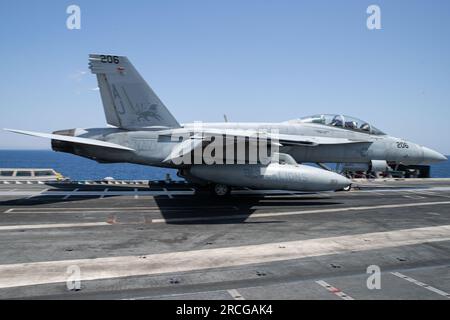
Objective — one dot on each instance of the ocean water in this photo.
(441, 170)
(78, 168)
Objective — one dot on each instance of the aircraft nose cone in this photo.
(430, 156)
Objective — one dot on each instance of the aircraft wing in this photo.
(289, 139)
(188, 145)
(79, 140)
(183, 148)
(281, 139)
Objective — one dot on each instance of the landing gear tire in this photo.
(220, 190)
(347, 188)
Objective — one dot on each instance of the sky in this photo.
(266, 61)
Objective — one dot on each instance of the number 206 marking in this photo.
(402, 145)
(109, 59)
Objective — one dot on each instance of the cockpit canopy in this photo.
(341, 121)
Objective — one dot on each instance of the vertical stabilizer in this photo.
(128, 100)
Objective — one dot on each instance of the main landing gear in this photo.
(216, 190)
(220, 190)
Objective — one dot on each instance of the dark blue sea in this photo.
(78, 168)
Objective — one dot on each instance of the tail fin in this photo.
(128, 100)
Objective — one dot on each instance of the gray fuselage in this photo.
(153, 146)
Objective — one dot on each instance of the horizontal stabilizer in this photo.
(79, 140)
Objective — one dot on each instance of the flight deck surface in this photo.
(130, 241)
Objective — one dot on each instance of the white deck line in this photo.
(421, 284)
(53, 225)
(34, 273)
(293, 213)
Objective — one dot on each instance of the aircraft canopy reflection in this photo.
(342, 121)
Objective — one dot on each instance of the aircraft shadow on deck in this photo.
(200, 208)
(203, 209)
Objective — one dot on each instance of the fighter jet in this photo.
(143, 131)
